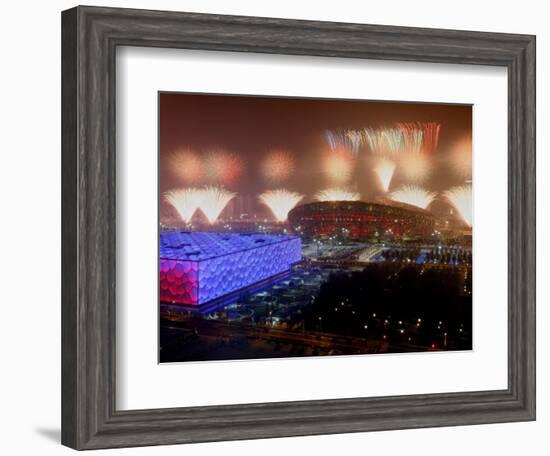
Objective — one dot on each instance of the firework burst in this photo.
(348, 139)
(280, 202)
(411, 194)
(186, 165)
(384, 169)
(337, 165)
(460, 157)
(394, 140)
(185, 201)
(431, 137)
(222, 167)
(414, 167)
(336, 194)
(211, 200)
(461, 199)
(384, 141)
(430, 134)
(277, 166)
(412, 137)
(355, 139)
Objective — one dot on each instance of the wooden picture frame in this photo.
(90, 37)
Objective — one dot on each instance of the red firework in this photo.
(222, 167)
(430, 135)
(277, 166)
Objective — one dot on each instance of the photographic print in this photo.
(293, 227)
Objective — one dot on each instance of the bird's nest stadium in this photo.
(359, 220)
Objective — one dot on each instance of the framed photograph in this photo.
(280, 228)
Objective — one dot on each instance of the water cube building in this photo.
(199, 267)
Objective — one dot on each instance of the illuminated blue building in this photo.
(199, 267)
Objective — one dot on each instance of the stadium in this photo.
(359, 220)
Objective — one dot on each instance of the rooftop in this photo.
(379, 203)
(198, 246)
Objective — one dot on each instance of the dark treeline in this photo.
(405, 304)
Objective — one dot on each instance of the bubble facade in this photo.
(198, 267)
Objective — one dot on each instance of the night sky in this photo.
(250, 127)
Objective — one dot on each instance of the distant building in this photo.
(359, 220)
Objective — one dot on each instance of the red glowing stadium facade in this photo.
(359, 220)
